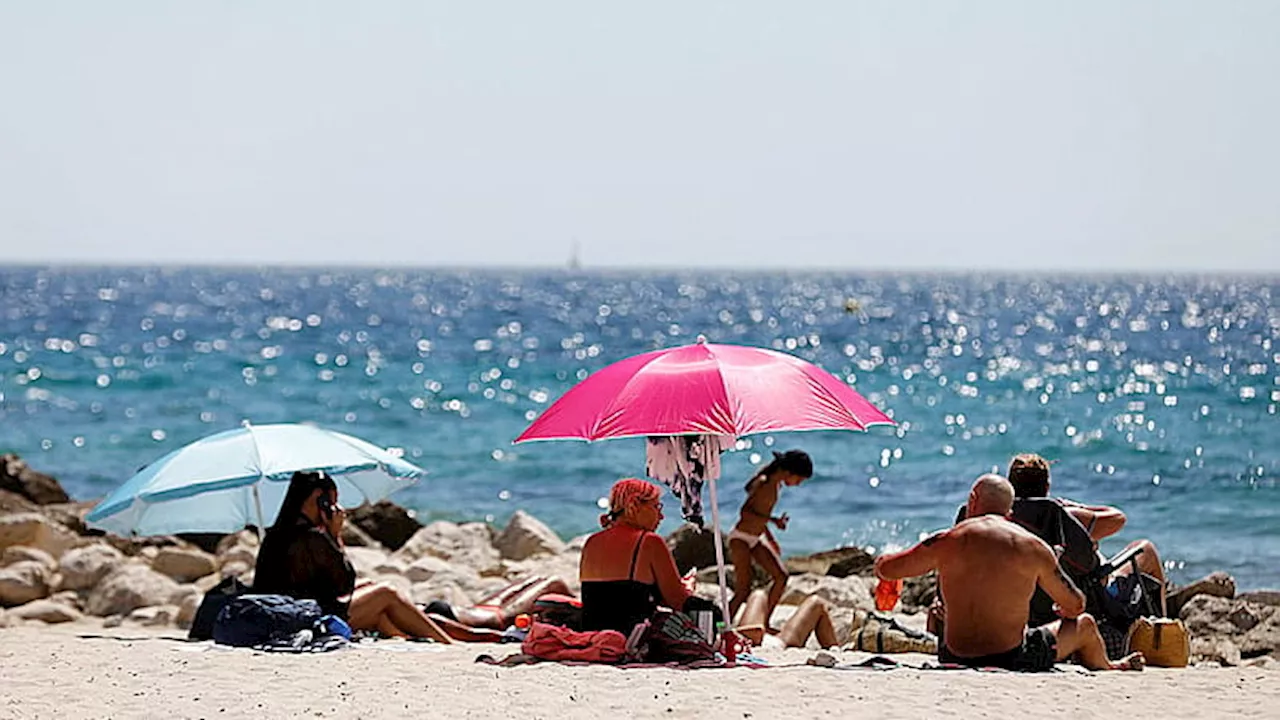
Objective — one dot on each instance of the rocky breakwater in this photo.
(53, 569)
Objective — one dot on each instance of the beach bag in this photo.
(675, 637)
(884, 634)
(214, 600)
(557, 643)
(249, 620)
(562, 610)
(1163, 641)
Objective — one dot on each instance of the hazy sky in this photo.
(1067, 135)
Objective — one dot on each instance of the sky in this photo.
(974, 134)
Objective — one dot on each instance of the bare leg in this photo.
(1079, 637)
(464, 633)
(371, 605)
(500, 598)
(740, 555)
(754, 622)
(764, 555)
(518, 598)
(812, 617)
(389, 629)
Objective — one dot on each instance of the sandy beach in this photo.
(83, 671)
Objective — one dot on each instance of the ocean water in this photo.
(1156, 394)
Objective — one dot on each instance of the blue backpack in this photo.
(249, 620)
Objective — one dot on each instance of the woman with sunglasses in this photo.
(626, 568)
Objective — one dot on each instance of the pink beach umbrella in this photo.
(705, 389)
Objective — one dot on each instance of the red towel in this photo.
(553, 642)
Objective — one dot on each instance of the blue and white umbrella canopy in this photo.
(226, 481)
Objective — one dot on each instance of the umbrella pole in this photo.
(257, 503)
(719, 542)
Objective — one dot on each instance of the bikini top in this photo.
(619, 604)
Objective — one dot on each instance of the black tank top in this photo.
(619, 604)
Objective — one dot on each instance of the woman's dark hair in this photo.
(796, 462)
(1029, 475)
(301, 485)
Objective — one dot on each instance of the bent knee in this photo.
(1086, 622)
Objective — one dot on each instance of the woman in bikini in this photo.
(751, 540)
(487, 619)
(626, 569)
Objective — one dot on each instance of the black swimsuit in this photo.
(618, 604)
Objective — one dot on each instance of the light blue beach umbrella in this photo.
(226, 481)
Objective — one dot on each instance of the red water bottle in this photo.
(887, 594)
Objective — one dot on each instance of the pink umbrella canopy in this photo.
(705, 389)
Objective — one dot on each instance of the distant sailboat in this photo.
(575, 261)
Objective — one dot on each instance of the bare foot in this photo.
(1133, 661)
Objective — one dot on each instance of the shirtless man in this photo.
(988, 568)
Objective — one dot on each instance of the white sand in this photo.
(66, 672)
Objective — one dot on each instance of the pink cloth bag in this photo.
(553, 642)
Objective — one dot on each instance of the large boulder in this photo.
(83, 567)
(1261, 597)
(385, 522)
(693, 547)
(187, 608)
(353, 536)
(184, 564)
(919, 592)
(35, 530)
(366, 560)
(37, 487)
(846, 592)
(469, 544)
(70, 515)
(526, 536)
(841, 562)
(22, 582)
(128, 588)
(154, 616)
(11, 502)
(1252, 629)
(46, 611)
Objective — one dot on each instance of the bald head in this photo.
(991, 495)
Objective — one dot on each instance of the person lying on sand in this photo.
(487, 619)
(302, 557)
(1029, 475)
(988, 567)
(751, 540)
(812, 617)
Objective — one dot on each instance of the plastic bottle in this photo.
(887, 594)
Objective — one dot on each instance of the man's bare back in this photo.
(988, 568)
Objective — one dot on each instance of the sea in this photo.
(1157, 394)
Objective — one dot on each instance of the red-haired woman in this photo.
(626, 568)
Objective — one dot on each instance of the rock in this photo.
(83, 567)
(1262, 661)
(21, 553)
(4, 618)
(35, 530)
(22, 582)
(390, 566)
(240, 554)
(353, 536)
(399, 582)
(841, 562)
(425, 592)
(694, 547)
(12, 502)
(918, 593)
(183, 564)
(576, 544)
(1213, 619)
(846, 592)
(237, 569)
(154, 616)
(47, 611)
(526, 536)
(113, 622)
(37, 487)
(563, 566)
(128, 588)
(70, 515)
(425, 568)
(69, 598)
(1261, 597)
(365, 560)
(244, 538)
(387, 523)
(469, 544)
(187, 610)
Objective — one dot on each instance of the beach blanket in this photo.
(555, 642)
